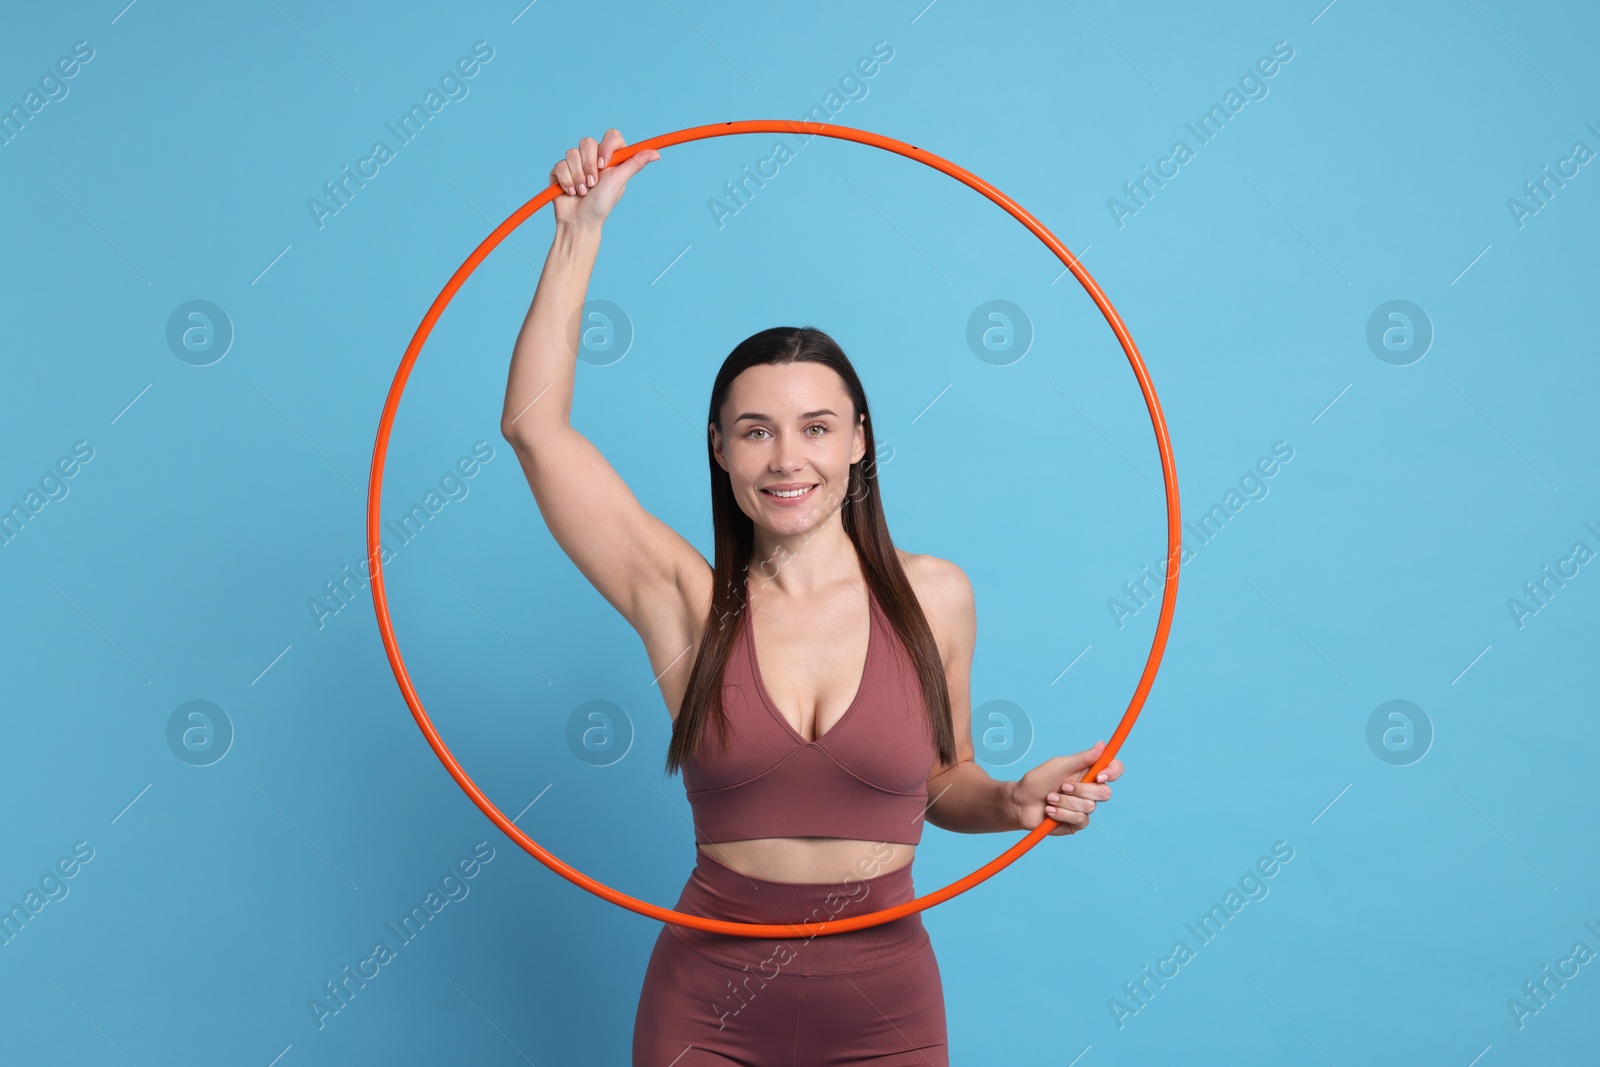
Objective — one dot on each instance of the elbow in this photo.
(522, 429)
(519, 435)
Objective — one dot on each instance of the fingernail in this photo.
(1068, 788)
(1050, 811)
(1052, 798)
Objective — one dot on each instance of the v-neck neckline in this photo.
(766, 698)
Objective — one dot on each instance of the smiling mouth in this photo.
(789, 494)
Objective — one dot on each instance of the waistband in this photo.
(717, 891)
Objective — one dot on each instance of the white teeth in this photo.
(788, 492)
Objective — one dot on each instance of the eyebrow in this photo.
(768, 418)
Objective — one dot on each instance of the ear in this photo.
(716, 446)
(859, 445)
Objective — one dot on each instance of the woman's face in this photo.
(789, 427)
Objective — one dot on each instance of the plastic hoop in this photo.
(380, 600)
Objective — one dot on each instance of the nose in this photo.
(787, 455)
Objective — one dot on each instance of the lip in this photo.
(789, 502)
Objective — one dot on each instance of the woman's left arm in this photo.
(962, 797)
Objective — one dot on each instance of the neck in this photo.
(801, 564)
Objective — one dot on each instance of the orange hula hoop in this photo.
(380, 598)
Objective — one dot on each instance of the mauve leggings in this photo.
(863, 996)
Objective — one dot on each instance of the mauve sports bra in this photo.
(866, 778)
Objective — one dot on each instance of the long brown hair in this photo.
(734, 539)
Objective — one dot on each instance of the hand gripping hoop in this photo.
(380, 600)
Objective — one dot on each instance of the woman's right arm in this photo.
(634, 560)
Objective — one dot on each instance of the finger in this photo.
(588, 149)
(575, 166)
(635, 163)
(1069, 807)
(1067, 829)
(1072, 820)
(1079, 762)
(609, 143)
(562, 176)
(1097, 750)
(1091, 791)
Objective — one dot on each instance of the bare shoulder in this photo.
(945, 593)
(938, 583)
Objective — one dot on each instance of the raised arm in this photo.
(633, 559)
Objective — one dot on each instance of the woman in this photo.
(812, 764)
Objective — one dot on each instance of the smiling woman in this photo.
(788, 429)
(817, 677)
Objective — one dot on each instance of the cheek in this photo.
(746, 472)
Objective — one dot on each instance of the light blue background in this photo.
(220, 498)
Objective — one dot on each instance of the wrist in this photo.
(578, 230)
(1013, 801)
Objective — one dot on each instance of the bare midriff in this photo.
(810, 859)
